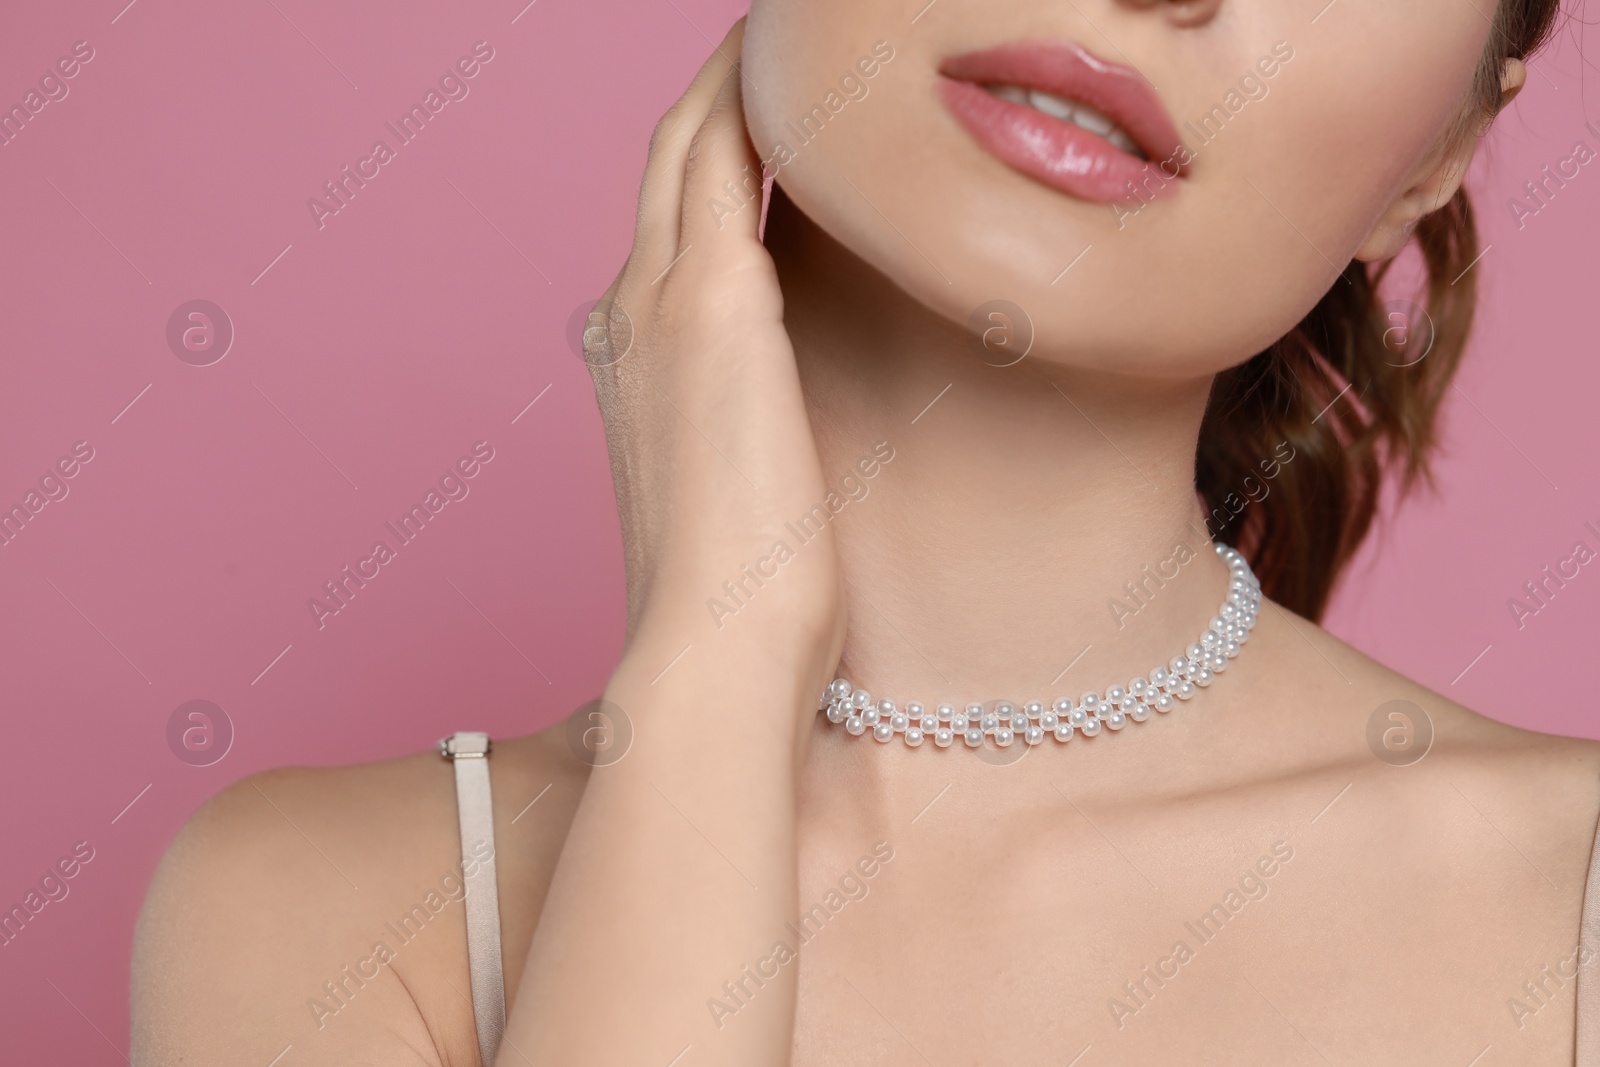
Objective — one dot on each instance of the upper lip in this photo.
(1067, 70)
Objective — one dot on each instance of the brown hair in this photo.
(1333, 396)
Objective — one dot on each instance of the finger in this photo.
(722, 175)
(661, 192)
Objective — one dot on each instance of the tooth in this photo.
(1092, 120)
(1050, 105)
(1081, 115)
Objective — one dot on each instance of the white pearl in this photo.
(1034, 709)
(959, 723)
(1164, 702)
(974, 711)
(1139, 712)
(836, 713)
(929, 724)
(943, 736)
(990, 721)
(1116, 694)
(1063, 731)
(1202, 677)
(1062, 706)
(913, 737)
(1186, 690)
(973, 737)
(860, 698)
(871, 716)
(1195, 651)
(1033, 735)
(1179, 665)
(886, 708)
(1089, 702)
(839, 688)
(1116, 720)
(945, 712)
(1158, 677)
(1048, 720)
(914, 710)
(1079, 718)
(898, 722)
(882, 732)
(855, 726)
(1002, 737)
(1004, 709)
(1090, 728)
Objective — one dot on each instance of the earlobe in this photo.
(1438, 184)
(1513, 76)
(1388, 237)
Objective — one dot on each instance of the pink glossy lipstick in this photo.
(1066, 118)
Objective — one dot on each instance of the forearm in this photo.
(678, 871)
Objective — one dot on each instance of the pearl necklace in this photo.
(1005, 722)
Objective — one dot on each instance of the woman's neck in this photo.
(1036, 531)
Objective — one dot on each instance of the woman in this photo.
(931, 423)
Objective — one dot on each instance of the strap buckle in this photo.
(465, 744)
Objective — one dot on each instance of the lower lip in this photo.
(1053, 151)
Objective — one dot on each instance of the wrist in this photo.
(763, 690)
(768, 633)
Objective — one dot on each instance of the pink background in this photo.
(426, 316)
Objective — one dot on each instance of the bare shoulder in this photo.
(1537, 794)
(319, 909)
(1443, 854)
(1534, 795)
(1550, 783)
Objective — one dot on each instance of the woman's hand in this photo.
(679, 869)
(711, 451)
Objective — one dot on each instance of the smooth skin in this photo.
(1406, 908)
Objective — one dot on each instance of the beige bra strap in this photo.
(1589, 976)
(474, 805)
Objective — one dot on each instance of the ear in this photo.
(1436, 181)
